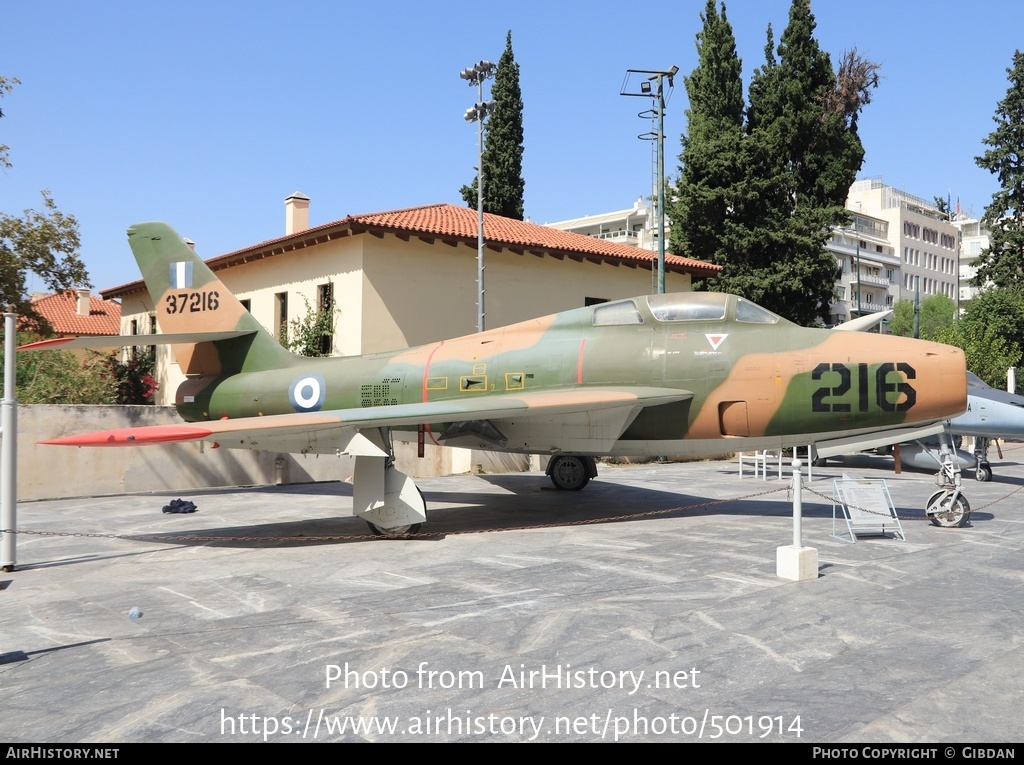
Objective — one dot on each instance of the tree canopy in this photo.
(64, 377)
(774, 189)
(1002, 263)
(504, 186)
(990, 332)
(937, 313)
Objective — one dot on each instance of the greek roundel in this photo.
(307, 393)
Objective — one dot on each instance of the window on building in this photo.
(133, 329)
(151, 349)
(281, 316)
(325, 304)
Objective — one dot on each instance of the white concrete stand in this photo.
(796, 562)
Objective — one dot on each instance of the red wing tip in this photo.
(158, 434)
(39, 344)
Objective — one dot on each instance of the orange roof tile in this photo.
(460, 222)
(61, 310)
(453, 222)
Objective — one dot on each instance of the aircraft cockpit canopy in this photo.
(752, 313)
(689, 306)
(707, 306)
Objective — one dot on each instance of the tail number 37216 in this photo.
(192, 302)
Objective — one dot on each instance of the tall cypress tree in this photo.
(772, 194)
(503, 144)
(803, 157)
(1002, 263)
(706, 209)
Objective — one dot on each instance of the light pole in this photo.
(9, 447)
(475, 75)
(857, 237)
(645, 90)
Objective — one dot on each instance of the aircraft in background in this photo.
(697, 374)
(991, 413)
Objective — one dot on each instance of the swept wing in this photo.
(333, 429)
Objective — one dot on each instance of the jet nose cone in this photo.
(943, 381)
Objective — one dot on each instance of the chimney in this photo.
(296, 213)
(191, 244)
(83, 302)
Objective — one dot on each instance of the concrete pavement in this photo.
(670, 627)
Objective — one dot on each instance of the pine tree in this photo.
(503, 144)
(705, 208)
(1002, 263)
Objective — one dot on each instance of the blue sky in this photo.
(208, 114)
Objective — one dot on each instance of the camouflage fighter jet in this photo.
(697, 374)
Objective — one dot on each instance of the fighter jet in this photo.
(698, 374)
(991, 413)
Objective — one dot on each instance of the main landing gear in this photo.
(571, 472)
(947, 507)
(984, 470)
(382, 495)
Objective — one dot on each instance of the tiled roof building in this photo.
(78, 312)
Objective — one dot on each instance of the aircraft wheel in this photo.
(983, 472)
(569, 472)
(397, 531)
(946, 515)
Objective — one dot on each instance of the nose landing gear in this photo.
(948, 507)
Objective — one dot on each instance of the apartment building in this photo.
(870, 275)
(927, 243)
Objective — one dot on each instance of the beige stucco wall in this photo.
(418, 293)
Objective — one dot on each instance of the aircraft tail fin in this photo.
(189, 298)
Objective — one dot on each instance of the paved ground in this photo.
(666, 627)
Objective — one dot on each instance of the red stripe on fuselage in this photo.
(426, 374)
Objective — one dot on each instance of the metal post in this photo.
(646, 89)
(917, 307)
(480, 312)
(858, 274)
(475, 75)
(798, 506)
(9, 448)
(661, 184)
